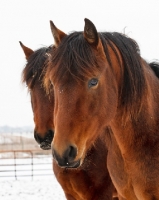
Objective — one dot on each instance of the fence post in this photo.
(32, 163)
(15, 169)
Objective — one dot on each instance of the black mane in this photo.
(35, 66)
(133, 82)
(76, 58)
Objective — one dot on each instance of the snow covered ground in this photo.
(35, 178)
(33, 171)
(44, 188)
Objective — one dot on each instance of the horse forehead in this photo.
(72, 88)
(69, 91)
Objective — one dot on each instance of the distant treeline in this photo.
(9, 129)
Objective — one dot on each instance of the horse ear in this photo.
(27, 51)
(58, 35)
(90, 33)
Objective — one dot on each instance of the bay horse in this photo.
(91, 181)
(32, 75)
(100, 80)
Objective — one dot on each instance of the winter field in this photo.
(36, 189)
(26, 171)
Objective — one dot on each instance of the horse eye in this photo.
(93, 82)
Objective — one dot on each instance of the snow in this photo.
(30, 178)
(27, 189)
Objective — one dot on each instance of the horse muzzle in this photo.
(68, 158)
(45, 143)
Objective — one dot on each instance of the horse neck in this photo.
(128, 130)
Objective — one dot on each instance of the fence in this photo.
(18, 141)
(21, 157)
(19, 164)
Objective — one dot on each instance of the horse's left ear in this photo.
(90, 33)
(27, 51)
(58, 35)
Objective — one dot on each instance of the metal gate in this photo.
(17, 164)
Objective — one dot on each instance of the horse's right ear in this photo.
(58, 35)
(27, 51)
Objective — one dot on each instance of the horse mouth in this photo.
(73, 165)
(66, 165)
(45, 143)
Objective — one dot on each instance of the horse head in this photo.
(84, 101)
(42, 103)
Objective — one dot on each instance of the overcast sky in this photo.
(28, 21)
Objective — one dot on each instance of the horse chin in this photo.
(45, 145)
(72, 165)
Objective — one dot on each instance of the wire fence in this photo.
(25, 163)
(18, 141)
(21, 157)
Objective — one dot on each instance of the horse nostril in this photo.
(37, 137)
(67, 160)
(50, 135)
(68, 157)
(71, 153)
